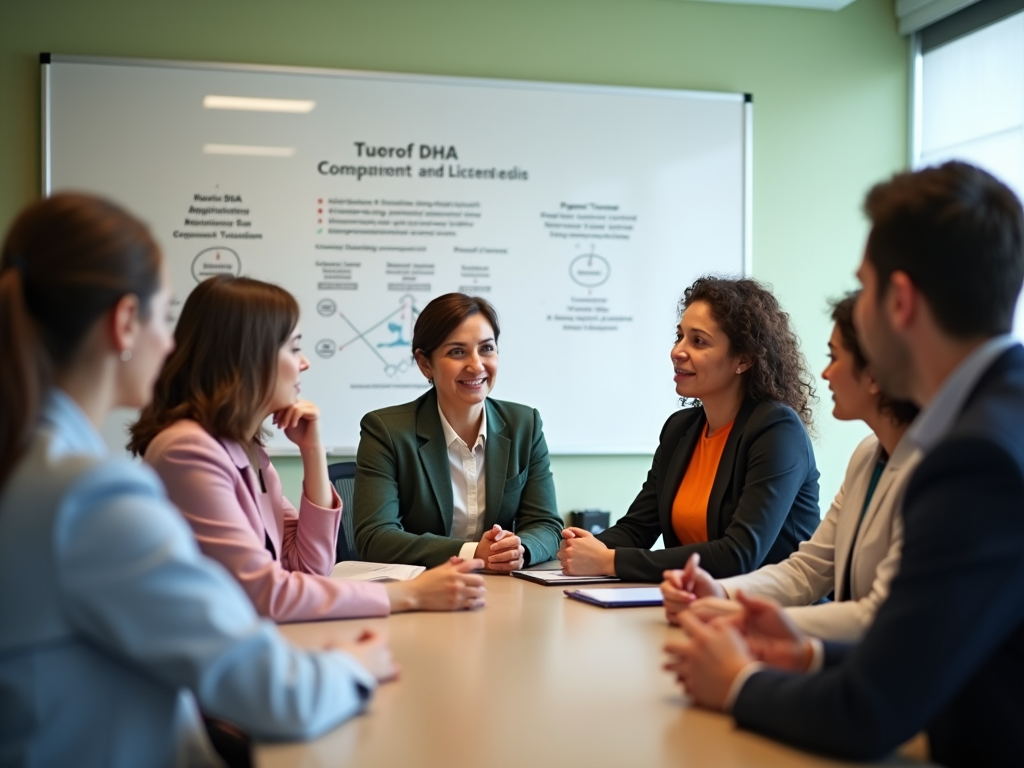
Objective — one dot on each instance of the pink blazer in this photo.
(212, 484)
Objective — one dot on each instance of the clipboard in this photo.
(622, 597)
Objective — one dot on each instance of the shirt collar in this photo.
(450, 435)
(72, 428)
(935, 421)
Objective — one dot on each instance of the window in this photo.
(971, 108)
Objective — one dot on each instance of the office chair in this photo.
(343, 476)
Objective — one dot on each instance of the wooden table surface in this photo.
(533, 679)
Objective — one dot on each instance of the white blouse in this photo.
(469, 499)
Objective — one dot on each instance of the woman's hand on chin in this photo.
(300, 422)
(581, 554)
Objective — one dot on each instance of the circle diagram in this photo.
(326, 348)
(215, 261)
(590, 270)
(326, 307)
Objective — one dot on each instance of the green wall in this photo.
(830, 96)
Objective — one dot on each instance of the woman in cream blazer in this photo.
(855, 563)
(855, 552)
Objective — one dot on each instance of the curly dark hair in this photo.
(750, 315)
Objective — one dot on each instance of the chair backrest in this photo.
(343, 476)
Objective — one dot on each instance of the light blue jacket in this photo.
(109, 616)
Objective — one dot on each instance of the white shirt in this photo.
(469, 499)
(937, 417)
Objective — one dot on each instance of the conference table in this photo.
(532, 679)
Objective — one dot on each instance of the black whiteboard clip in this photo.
(44, 58)
(748, 98)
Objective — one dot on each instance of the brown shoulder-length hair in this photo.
(901, 411)
(66, 261)
(750, 315)
(224, 365)
(443, 315)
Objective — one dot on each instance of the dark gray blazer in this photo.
(946, 650)
(763, 503)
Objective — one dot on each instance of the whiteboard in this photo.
(580, 212)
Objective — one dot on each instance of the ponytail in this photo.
(65, 262)
(25, 374)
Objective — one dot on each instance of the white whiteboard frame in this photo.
(747, 143)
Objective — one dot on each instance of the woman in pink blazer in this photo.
(236, 363)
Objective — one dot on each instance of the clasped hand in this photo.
(451, 586)
(708, 661)
(582, 554)
(501, 550)
(692, 588)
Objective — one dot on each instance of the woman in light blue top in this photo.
(112, 624)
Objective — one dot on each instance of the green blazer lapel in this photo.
(673, 475)
(434, 458)
(496, 465)
(723, 475)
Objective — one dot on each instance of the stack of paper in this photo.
(357, 570)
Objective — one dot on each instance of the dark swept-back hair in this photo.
(446, 313)
(958, 233)
(750, 315)
(901, 411)
(66, 261)
(224, 365)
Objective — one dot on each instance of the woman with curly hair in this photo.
(856, 550)
(733, 478)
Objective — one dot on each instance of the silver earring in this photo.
(430, 382)
(126, 356)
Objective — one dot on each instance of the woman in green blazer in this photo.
(455, 473)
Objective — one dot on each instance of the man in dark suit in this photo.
(941, 273)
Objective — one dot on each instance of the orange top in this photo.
(690, 508)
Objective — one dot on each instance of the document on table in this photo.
(556, 578)
(358, 570)
(624, 597)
